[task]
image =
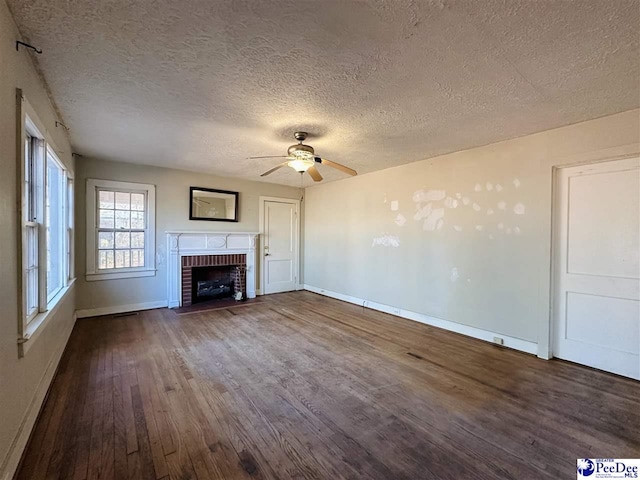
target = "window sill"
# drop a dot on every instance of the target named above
(93, 277)
(36, 326)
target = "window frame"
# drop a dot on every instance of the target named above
(32, 219)
(93, 272)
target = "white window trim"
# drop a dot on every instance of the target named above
(30, 329)
(33, 330)
(93, 273)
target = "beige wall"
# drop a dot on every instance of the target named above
(172, 213)
(465, 269)
(22, 381)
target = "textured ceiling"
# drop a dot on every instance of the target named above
(202, 84)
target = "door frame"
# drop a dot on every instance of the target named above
(555, 240)
(296, 253)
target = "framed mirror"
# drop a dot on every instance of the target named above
(212, 204)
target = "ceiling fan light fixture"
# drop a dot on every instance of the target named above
(301, 164)
(301, 159)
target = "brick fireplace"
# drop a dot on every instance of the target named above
(224, 254)
(198, 268)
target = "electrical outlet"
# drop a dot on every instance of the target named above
(498, 340)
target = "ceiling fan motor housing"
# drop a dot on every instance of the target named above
(300, 148)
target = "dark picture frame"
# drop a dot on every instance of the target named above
(213, 205)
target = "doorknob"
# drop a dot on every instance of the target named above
(267, 254)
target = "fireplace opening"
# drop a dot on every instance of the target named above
(212, 282)
(212, 277)
(213, 289)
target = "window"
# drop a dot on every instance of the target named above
(120, 229)
(46, 225)
(46, 221)
(56, 231)
(70, 242)
(31, 281)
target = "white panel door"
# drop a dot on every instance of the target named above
(280, 246)
(597, 267)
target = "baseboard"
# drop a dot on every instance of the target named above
(12, 461)
(486, 335)
(134, 307)
(298, 286)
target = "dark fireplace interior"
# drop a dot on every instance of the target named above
(213, 277)
(213, 282)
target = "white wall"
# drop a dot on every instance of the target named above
(172, 213)
(24, 381)
(467, 270)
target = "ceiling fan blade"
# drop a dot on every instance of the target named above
(342, 168)
(268, 156)
(315, 174)
(274, 169)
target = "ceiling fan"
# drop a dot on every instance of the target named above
(302, 158)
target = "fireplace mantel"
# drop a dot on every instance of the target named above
(187, 243)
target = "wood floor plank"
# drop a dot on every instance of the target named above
(119, 422)
(107, 457)
(141, 465)
(61, 464)
(302, 386)
(83, 432)
(155, 443)
(41, 457)
(166, 429)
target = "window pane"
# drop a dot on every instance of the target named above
(27, 179)
(137, 201)
(105, 259)
(123, 201)
(69, 252)
(106, 218)
(137, 220)
(32, 291)
(105, 240)
(55, 218)
(122, 240)
(123, 258)
(137, 258)
(106, 199)
(32, 271)
(137, 239)
(32, 247)
(122, 219)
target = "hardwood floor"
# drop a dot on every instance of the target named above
(302, 386)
